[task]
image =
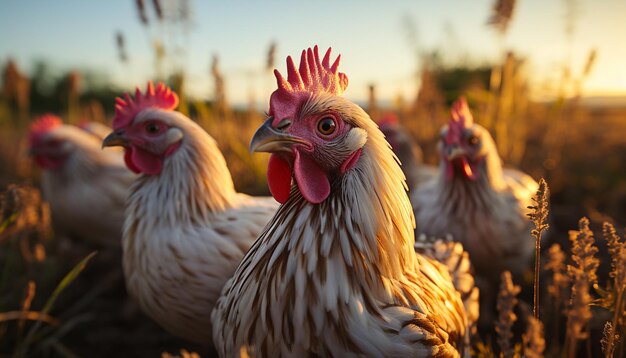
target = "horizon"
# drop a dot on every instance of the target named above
(378, 44)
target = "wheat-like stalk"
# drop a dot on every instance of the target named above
(507, 299)
(539, 215)
(534, 341)
(617, 250)
(582, 275)
(502, 15)
(559, 283)
(609, 337)
(556, 265)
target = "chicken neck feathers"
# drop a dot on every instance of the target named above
(341, 278)
(186, 230)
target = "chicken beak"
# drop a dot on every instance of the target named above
(268, 139)
(115, 139)
(455, 152)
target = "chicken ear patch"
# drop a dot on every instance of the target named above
(145, 162)
(311, 179)
(279, 178)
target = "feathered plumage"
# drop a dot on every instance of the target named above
(480, 204)
(408, 152)
(335, 272)
(85, 186)
(186, 227)
(475, 200)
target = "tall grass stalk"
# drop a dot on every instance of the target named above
(539, 215)
(582, 275)
(617, 250)
(507, 299)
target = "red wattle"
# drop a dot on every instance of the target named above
(129, 161)
(143, 161)
(311, 179)
(467, 169)
(279, 178)
(49, 163)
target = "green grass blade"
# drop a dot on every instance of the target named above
(66, 281)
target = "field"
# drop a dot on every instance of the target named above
(582, 161)
(60, 297)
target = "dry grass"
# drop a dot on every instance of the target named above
(573, 146)
(539, 216)
(507, 299)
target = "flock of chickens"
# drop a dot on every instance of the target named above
(330, 265)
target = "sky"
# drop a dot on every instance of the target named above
(372, 37)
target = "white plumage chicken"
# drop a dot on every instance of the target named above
(186, 227)
(85, 186)
(335, 272)
(475, 200)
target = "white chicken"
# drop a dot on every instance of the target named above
(480, 204)
(186, 227)
(85, 186)
(475, 200)
(335, 272)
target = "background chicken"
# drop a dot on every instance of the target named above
(85, 186)
(186, 227)
(478, 202)
(335, 272)
(408, 151)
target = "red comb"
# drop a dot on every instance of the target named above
(461, 118)
(42, 125)
(312, 76)
(126, 109)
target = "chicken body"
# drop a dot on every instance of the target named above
(335, 272)
(186, 227)
(478, 202)
(85, 186)
(409, 153)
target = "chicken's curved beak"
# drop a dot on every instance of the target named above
(455, 152)
(269, 139)
(115, 139)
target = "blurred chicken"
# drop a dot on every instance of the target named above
(475, 200)
(96, 129)
(479, 204)
(408, 151)
(85, 186)
(186, 227)
(335, 272)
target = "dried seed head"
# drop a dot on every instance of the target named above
(539, 211)
(506, 303)
(556, 264)
(534, 341)
(583, 275)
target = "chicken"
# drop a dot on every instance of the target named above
(96, 129)
(480, 204)
(85, 186)
(475, 200)
(335, 272)
(186, 227)
(408, 151)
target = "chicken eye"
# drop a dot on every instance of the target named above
(152, 128)
(326, 126)
(473, 140)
